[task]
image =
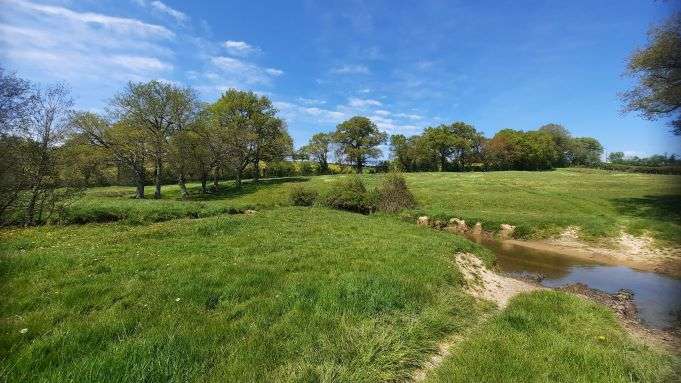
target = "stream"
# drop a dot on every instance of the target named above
(657, 296)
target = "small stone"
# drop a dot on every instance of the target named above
(477, 229)
(177, 299)
(423, 221)
(23, 330)
(249, 211)
(506, 231)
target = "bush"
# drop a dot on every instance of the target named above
(394, 195)
(302, 196)
(350, 194)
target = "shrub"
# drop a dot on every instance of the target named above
(394, 195)
(302, 196)
(350, 194)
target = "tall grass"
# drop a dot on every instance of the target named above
(554, 337)
(290, 294)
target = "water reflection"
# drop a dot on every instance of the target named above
(657, 297)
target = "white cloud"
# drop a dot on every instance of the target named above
(95, 53)
(310, 101)
(141, 63)
(117, 24)
(174, 13)
(239, 48)
(362, 103)
(296, 112)
(274, 72)
(351, 69)
(409, 116)
(382, 112)
(244, 72)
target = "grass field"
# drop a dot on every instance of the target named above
(312, 294)
(285, 295)
(536, 340)
(540, 203)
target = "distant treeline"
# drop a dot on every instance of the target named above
(159, 133)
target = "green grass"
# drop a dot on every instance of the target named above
(600, 202)
(289, 294)
(554, 337)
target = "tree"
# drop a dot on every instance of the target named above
(515, 149)
(562, 138)
(248, 130)
(586, 151)
(16, 100)
(657, 68)
(48, 120)
(357, 140)
(442, 141)
(127, 144)
(272, 139)
(161, 110)
(399, 148)
(318, 150)
(616, 157)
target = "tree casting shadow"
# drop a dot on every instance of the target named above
(247, 187)
(659, 207)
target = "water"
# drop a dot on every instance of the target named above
(657, 297)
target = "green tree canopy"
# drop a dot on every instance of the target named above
(657, 68)
(357, 140)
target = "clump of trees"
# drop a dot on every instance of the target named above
(460, 147)
(161, 124)
(33, 125)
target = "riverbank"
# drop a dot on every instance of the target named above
(637, 252)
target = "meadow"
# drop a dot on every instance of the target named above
(171, 290)
(601, 203)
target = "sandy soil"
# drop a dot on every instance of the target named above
(639, 253)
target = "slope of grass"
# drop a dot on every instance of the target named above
(289, 294)
(539, 203)
(553, 337)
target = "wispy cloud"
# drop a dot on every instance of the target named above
(180, 17)
(351, 69)
(49, 43)
(243, 71)
(117, 24)
(363, 103)
(239, 48)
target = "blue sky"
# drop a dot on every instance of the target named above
(406, 65)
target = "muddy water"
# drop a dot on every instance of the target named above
(657, 297)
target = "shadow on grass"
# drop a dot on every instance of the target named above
(659, 207)
(247, 187)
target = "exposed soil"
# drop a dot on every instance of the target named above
(639, 253)
(485, 284)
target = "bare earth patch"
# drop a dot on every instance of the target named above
(640, 253)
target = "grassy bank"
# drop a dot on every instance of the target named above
(554, 337)
(290, 294)
(600, 202)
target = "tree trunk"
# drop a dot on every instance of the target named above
(359, 166)
(157, 178)
(139, 183)
(238, 178)
(256, 174)
(443, 163)
(216, 178)
(182, 182)
(30, 209)
(204, 179)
